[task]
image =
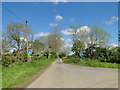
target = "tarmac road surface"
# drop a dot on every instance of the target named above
(61, 75)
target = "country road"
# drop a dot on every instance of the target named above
(60, 75)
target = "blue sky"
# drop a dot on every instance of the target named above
(42, 16)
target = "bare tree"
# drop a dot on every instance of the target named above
(5, 44)
(99, 35)
(54, 41)
(38, 46)
(89, 35)
(66, 50)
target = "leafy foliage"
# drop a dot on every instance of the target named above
(8, 60)
(77, 47)
(62, 54)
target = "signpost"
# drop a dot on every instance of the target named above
(29, 57)
(81, 53)
(29, 51)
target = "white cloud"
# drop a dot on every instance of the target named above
(12, 50)
(113, 45)
(68, 45)
(23, 39)
(112, 20)
(67, 32)
(62, 39)
(58, 17)
(52, 24)
(71, 53)
(82, 29)
(42, 34)
(69, 40)
(57, 1)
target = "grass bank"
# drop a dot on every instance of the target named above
(17, 74)
(91, 63)
(0, 77)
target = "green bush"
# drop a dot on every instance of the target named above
(8, 60)
(62, 54)
(115, 58)
(23, 57)
(38, 58)
(66, 60)
(86, 59)
(5, 61)
(71, 59)
(101, 59)
(53, 56)
(34, 58)
(72, 56)
(42, 57)
(90, 62)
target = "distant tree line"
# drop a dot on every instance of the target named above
(93, 42)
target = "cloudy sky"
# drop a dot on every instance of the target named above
(43, 16)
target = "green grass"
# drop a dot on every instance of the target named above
(17, 74)
(0, 77)
(93, 63)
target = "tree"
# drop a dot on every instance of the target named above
(62, 54)
(16, 35)
(38, 46)
(88, 38)
(54, 41)
(66, 49)
(80, 32)
(98, 35)
(79, 37)
(78, 47)
(5, 44)
(115, 55)
(89, 51)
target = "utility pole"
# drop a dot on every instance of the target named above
(49, 52)
(28, 55)
(26, 38)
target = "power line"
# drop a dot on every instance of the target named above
(13, 13)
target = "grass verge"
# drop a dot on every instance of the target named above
(91, 63)
(17, 74)
(0, 77)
